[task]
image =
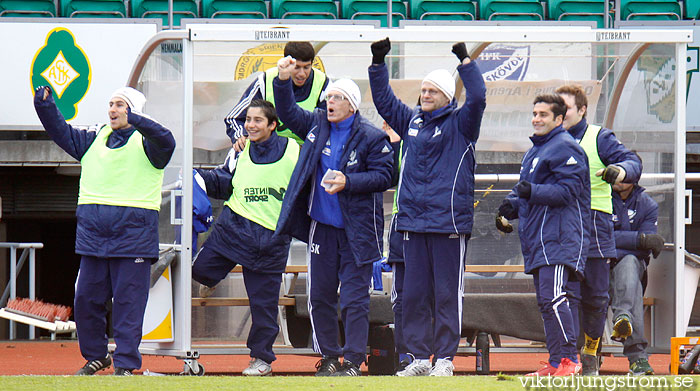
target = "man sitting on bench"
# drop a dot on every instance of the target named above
(634, 216)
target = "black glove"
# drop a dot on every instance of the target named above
(612, 174)
(460, 50)
(506, 209)
(653, 242)
(524, 189)
(39, 94)
(130, 117)
(503, 225)
(380, 50)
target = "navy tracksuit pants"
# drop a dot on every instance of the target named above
(551, 284)
(126, 282)
(263, 289)
(331, 263)
(435, 275)
(594, 296)
(398, 271)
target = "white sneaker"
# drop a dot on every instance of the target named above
(257, 367)
(443, 367)
(205, 291)
(416, 368)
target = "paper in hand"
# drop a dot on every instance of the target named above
(329, 175)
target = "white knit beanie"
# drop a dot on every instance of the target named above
(349, 89)
(443, 80)
(135, 99)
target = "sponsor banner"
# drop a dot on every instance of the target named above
(506, 124)
(265, 56)
(222, 79)
(158, 318)
(507, 121)
(82, 62)
(653, 96)
(504, 62)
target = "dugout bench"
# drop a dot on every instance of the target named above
(484, 314)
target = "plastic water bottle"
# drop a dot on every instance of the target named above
(688, 363)
(482, 353)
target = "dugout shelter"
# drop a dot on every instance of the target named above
(634, 80)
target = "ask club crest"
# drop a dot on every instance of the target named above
(63, 65)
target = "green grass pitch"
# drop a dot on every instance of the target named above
(304, 383)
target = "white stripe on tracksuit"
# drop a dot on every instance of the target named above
(544, 252)
(230, 119)
(394, 295)
(317, 347)
(559, 297)
(595, 228)
(462, 259)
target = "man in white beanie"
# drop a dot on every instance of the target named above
(435, 201)
(117, 232)
(334, 203)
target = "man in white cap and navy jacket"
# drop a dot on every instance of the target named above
(334, 203)
(435, 201)
(117, 232)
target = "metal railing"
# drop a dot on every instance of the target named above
(28, 251)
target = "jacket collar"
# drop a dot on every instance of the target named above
(272, 144)
(439, 113)
(636, 191)
(578, 130)
(345, 124)
(539, 140)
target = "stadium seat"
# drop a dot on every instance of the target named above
(159, 9)
(511, 10)
(304, 9)
(692, 8)
(650, 10)
(443, 9)
(93, 9)
(578, 10)
(28, 8)
(373, 10)
(234, 9)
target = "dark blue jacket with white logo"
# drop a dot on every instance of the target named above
(241, 240)
(367, 163)
(107, 230)
(637, 214)
(436, 185)
(553, 225)
(611, 151)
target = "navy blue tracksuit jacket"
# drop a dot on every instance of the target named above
(553, 222)
(248, 243)
(439, 146)
(235, 119)
(105, 230)
(611, 151)
(638, 213)
(367, 176)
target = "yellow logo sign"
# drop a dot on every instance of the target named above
(60, 74)
(62, 64)
(263, 57)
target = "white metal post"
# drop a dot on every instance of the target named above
(13, 284)
(183, 314)
(679, 191)
(388, 13)
(32, 281)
